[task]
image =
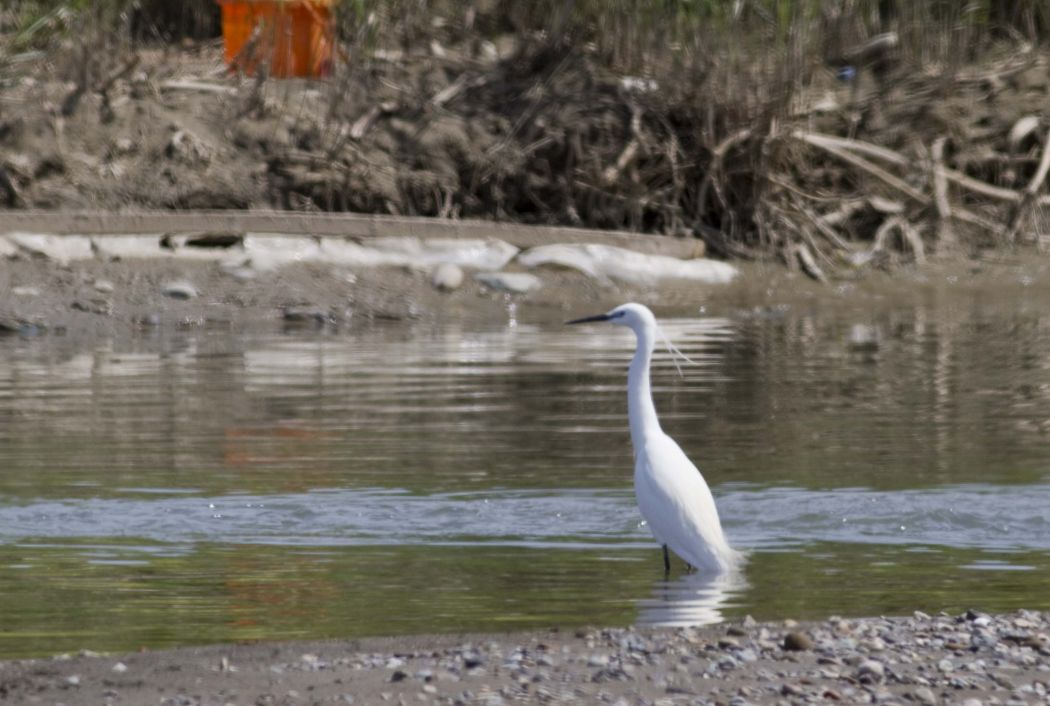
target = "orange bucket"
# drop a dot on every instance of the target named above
(294, 36)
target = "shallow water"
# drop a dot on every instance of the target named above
(872, 458)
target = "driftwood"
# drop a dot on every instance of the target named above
(195, 86)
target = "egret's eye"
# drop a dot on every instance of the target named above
(617, 315)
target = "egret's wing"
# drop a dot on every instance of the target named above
(676, 502)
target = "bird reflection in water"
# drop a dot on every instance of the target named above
(692, 599)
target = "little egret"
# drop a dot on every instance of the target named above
(672, 495)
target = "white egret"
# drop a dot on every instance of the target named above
(672, 495)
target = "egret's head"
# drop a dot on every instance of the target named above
(633, 316)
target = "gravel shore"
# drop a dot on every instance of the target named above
(966, 659)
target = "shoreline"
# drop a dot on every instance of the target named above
(61, 292)
(355, 226)
(969, 659)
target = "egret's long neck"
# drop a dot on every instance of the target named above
(640, 409)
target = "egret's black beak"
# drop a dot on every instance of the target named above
(588, 319)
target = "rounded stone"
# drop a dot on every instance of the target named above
(180, 289)
(797, 642)
(447, 277)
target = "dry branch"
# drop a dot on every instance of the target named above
(843, 213)
(830, 142)
(714, 167)
(1028, 197)
(854, 145)
(945, 235)
(808, 263)
(864, 165)
(612, 174)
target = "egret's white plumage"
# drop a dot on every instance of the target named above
(672, 495)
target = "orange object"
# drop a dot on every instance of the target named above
(294, 36)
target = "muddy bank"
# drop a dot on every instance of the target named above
(91, 273)
(101, 297)
(94, 299)
(966, 659)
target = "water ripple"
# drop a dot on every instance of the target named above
(975, 516)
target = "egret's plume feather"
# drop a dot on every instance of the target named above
(675, 353)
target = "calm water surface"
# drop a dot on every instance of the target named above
(193, 487)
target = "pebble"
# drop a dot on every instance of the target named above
(871, 669)
(797, 642)
(25, 291)
(179, 289)
(692, 665)
(924, 695)
(597, 661)
(18, 325)
(875, 644)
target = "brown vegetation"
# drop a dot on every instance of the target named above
(830, 134)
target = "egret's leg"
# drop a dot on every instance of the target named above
(667, 562)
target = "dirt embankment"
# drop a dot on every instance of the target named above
(884, 160)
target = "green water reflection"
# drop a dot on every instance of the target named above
(113, 598)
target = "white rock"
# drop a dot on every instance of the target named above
(124, 247)
(7, 248)
(59, 248)
(25, 291)
(513, 282)
(608, 262)
(447, 276)
(120, 667)
(180, 289)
